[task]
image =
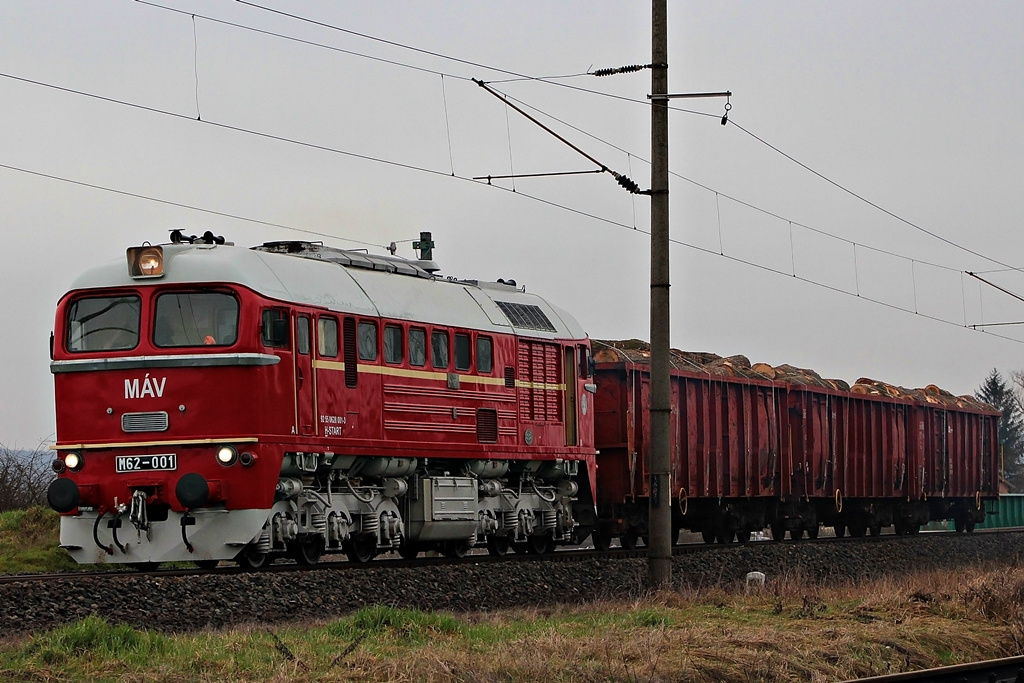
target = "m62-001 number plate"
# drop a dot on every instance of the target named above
(146, 463)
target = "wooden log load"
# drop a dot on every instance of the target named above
(639, 351)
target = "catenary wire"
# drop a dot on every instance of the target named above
(302, 41)
(872, 204)
(182, 205)
(731, 198)
(519, 76)
(447, 175)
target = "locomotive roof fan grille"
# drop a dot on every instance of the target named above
(526, 316)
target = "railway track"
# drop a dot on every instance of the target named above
(188, 599)
(1008, 670)
(476, 557)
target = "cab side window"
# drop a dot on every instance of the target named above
(367, 341)
(484, 355)
(463, 359)
(393, 344)
(439, 349)
(302, 334)
(417, 346)
(327, 336)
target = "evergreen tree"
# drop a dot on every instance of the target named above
(998, 393)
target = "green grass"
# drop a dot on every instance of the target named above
(29, 542)
(792, 630)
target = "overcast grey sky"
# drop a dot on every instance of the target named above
(915, 106)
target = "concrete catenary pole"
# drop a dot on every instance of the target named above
(659, 555)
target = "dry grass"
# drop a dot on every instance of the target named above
(791, 630)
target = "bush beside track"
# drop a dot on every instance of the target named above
(28, 542)
(223, 599)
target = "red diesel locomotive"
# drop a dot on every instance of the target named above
(221, 403)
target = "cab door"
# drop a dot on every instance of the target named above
(571, 389)
(305, 381)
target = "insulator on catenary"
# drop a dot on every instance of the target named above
(621, 70)
(628, 184)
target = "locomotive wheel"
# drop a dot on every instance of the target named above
(812, 533)
(408, 550)
(796, 533)
(540, 545)
(857, 530)
(251, 557)
(629, 539)
(454, 549)
(308, 552)
(498, 546)
(708, 536)
(726, 537)
(778, 532)
(840, 530)
(144, 566)
(361, 549)
(875, 530)
(602, 539)
(743, 536)
(206, 564)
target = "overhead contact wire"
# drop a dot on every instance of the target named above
(433, 172)
(182, 205)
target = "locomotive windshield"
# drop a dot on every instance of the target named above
(104, 323)
(195, 319)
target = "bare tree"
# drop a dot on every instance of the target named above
(24, 477)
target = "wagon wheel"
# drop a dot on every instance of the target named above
(796, 533)
(308, 551)
(812, 533)
(361, 548)
(602, 538)
(726, 536)
(969, 526)
(409, 549)
(629, 539)
(251, 557)
(206, 564)
(708, 536)
(840, 530)
(857, 530)
(958, 524)
(498, 546)
(540, 545)
(455, 549)
(778, 531)
(144, 566)
(743, 536)
(875, 529)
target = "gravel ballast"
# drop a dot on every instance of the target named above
(179, 604)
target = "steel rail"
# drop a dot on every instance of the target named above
(479, 557)
(1008, 670)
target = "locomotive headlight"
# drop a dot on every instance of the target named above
(73, 461)
(146, 261)
(227, 455)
